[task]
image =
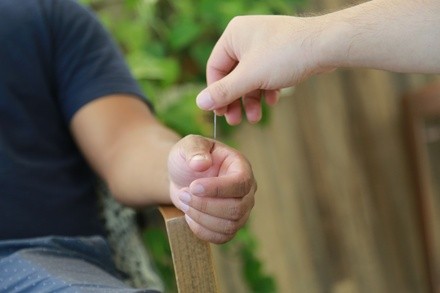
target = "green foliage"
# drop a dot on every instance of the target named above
(166, 44)
(252, 268)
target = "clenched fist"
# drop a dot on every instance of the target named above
(213, 185)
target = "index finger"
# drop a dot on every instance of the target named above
(220, 63)
(231, 185)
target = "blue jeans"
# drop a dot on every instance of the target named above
(59, 264)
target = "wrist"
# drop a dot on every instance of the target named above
(332, 48)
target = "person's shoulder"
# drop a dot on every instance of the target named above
(65, 4)
(64, 18)
(62, 8)
(25, 11)
(45, 5)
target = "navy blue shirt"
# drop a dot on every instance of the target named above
(54, 58)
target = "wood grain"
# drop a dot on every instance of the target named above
(192, 257)
(423, 114)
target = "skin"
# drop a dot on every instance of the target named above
(145, 163)
(257, 56)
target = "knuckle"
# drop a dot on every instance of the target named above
(190, 136)
(237, 212)
(248, 181)
(217, 192)
(220, 91)
(254, 96)
(236, 20)
(246, 184)
(233, 22)
(200, 204)
(203, 205)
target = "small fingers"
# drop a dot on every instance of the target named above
(231, 185)
(252, 106)
(206, 234)
(218, 225)
(216, 220)
(214, 230)
(272, 97)
(221, 111)
(226, 208)
(226, 90)
(233, 113)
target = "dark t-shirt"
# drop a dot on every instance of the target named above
(54, 58)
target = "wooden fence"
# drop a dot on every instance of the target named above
(335, 207)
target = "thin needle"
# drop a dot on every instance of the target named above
(215, 126)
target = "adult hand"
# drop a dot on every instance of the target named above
(257, 56)
(213, 185)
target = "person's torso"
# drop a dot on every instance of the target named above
(46, 187)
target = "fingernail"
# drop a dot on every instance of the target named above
(254, 115)
(205, 101)
(198, 158)
(185, 197)
(197, 189)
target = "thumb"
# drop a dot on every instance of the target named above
(226, 90)
(197, 151)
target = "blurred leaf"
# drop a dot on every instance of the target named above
(178, 110)
(183, 34)
(86, 2)
(245, 245)
(145, 66)
(131, 35)
(186, 118)
(131, 4)
(200, 53)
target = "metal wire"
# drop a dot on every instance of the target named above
(215, 127)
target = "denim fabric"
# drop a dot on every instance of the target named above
(59, 264)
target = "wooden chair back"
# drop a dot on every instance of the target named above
(192, 258)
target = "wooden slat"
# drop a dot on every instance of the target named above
(334, 209)
(420, 107)
(192, 259)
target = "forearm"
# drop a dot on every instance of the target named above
(394, 35)
(127, 147)
(137, 173)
